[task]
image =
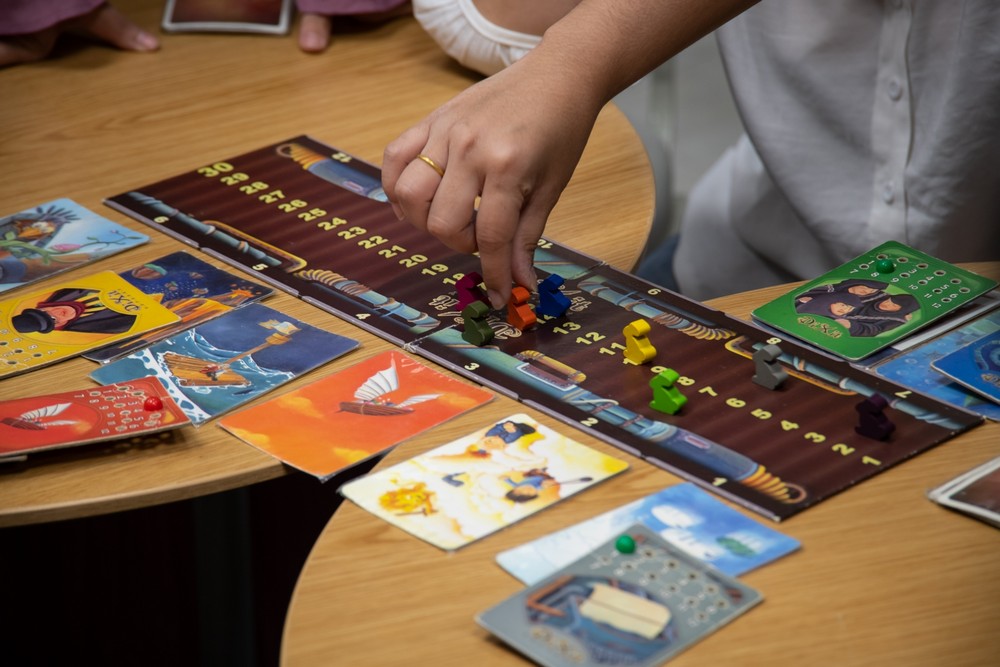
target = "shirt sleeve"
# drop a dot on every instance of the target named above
(23, 17)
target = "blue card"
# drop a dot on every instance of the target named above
(230, 360)
(55, 237)
(976, 366)
(684, 515)
(914, 368)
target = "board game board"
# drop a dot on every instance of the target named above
(313, 221)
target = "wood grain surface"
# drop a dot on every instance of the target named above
(94, 122)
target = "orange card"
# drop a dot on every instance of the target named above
(347, 417)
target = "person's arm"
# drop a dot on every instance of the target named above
(515, 138)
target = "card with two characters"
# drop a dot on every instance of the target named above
(475, 485)
(873, 300)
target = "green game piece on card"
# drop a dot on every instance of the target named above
(625, 544)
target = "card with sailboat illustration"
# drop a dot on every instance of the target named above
(230, 360)
(350, 416)
(66, 419)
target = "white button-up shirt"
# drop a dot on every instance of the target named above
(866, 121)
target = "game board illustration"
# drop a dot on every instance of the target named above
(193, 289)
(350, 416)
(55, 237)
(478, 484)
(67, 419)
(634, 600)
(230, 360)
(278, 212)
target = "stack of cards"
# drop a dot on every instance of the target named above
(874, 300)
(976, 493)
(195, 290)
(976, 366)
(74, 317)
(230, 360)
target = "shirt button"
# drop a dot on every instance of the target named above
(895, 89)
(888, 193)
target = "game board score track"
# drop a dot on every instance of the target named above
(312, 220)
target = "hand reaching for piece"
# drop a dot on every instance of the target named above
(512, 141)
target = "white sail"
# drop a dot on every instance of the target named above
(47, 411)
(379, 384)
(419, 398)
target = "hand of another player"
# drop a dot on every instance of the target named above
(104, 24)
(315, 28)
(513, 140)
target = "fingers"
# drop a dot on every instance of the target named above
(314, 32)
(19, 49)
(107, 24)
(496, 230)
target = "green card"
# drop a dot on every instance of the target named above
(873, 300)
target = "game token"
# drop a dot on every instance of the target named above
(885, 266)
(475, 328)
(551, 301)
(873, 422)
(769, 372)
(468, 290)
(666, 397)
(638, 349)
(519, 313)
(152, 404)
(625, 544)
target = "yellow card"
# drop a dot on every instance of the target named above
(46, 326)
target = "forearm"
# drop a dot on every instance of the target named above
(603, 46)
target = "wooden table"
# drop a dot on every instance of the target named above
(94, 122)
(884, 576)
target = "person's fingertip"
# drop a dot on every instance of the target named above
(312, 42)
(144, 41)
(496, 300)
(398, 211)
